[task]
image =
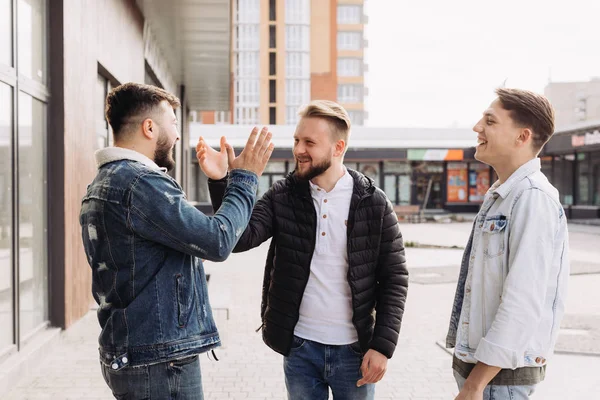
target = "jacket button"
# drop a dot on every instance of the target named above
(323, 234)
(324, 215)
(115, 366)
(492, 227)
(325, 201)
(538, 360)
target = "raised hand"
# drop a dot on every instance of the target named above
(256, 154)
(213, 163)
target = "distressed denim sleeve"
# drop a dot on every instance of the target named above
(159, 211)
(533, 225)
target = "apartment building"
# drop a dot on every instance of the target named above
(286, 53)
(574, 102)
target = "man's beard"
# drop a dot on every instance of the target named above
(163, 155)
(312, 171)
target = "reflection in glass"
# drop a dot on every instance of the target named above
(32, 39)
(6, 286)
(33, 285)
(5, 33)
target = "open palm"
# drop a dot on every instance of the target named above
(213, 163)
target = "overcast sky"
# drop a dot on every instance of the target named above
(436, 63)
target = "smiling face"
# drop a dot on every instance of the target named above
(314, 147)
(497, 135)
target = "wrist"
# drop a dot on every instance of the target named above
(473, 387)
(224, 178)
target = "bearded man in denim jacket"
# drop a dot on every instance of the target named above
(145, 244)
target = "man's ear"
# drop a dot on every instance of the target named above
(525, 136)
(340, 147)
(148, 128)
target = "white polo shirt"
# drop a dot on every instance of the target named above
(326, 308)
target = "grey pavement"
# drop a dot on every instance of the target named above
(420, 369)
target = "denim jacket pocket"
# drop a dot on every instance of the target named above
(493, 236)
(182, 303)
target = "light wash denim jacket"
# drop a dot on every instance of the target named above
(513, 276)
(144, 243)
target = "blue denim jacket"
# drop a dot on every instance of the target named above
(144, 243)
(512, 286)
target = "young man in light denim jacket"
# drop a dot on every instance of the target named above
(511, 291)
(145, 242)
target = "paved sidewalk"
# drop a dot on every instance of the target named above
(247, 369)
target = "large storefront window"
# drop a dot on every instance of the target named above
(5, 32)
(274, 171)
(33, 276)
(596, 178)
(583, 178)
(563, 178)
(457, 185)
(32, 39)
(397, 181)
(6, 274)
(23, 187)
(428, 181)
(479, 182)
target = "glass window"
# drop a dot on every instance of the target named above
(357, 117)
(350, 67)
(275, 166)
(350, 93)
(563, 177)
(247, 11)
(479, 181)
(297, 12)
(371, 170)
(5, 32)
(350, 40)
(297, 37)
(390, 188)
(222, 117)
(6, 277)
(349, 14)
(402, 167)
(101, 122)
(31, 37)
(33, 285)
(583, 178)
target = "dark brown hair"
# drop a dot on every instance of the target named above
(529, 110)
(125, 104)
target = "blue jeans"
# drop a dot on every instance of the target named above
(312, 368)
(500, 392)
(177, 379)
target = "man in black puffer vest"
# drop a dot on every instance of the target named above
(335, 280)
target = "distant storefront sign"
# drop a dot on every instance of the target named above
(435, 155)
(587, 139)
(457, 186)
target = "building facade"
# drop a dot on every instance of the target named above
(432, 168)
(288, 52)
(58, 60)
(571, 160)
(574, 102)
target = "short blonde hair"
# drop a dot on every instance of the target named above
(332, 112)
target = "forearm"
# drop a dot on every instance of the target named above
(480, 377)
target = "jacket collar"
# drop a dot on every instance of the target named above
(363, 185)
(521, 173)
(112, 154)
